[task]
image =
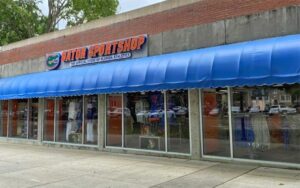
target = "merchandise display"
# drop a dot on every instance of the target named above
(267, 125)
(91, 118)
(145, 126)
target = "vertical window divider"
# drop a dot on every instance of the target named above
(83, 120)
(1, 103)
(55, 119)
(123, 137)
(8, 117)
(201, 123)
(166, 121)
(43, 119)
(105, 120)
(229, 93)
(2, 116)
(27, 116)
(190, 127)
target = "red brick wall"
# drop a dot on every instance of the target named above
(186, 16)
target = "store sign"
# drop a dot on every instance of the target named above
(53, 61)
(102, 52)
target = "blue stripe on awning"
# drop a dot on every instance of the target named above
(262, 62)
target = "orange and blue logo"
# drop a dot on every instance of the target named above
(53, 61)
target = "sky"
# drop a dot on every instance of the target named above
(124, 6)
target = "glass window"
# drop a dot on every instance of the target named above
(267, 128)
(69, 124)
(144, 120)
(216, 122)
(19, 117)
(3, 118)
(48, 130)
(33, 118)
(114, 120)
(178, 121)
(91, 119)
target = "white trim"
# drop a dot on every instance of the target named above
(70, 144)
(216, 157)
(27, 119)
(229, 94)
(123, 132)
(149, 151)
(99, 117)
(55, 119)
(252, 161)
(19, 138)
(271, 163)
(166, 120)
(9, 109)
(201, 124)
(83, 120)
(190, 125)
(42, 121)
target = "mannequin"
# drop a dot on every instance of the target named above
(90, 122)
(71, 123)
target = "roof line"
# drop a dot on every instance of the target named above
(152, 9)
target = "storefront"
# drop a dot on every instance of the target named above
(232, 102)
(248, 101)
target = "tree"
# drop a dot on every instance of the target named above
(22, 19)
(78, 11)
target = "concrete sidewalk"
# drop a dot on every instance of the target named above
(38, 166)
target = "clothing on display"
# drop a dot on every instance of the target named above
(91, 111)
(243, 131)
(90, 131)
(72, 111)
(291, 131)
(261, 131)
(71, 128)
(74, 122)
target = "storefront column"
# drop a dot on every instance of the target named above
(194, 123)
(40, 119)
(101, 121)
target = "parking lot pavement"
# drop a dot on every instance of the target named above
(40, 166)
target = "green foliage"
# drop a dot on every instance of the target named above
(22, 19)
(87, 10)
(19, 20)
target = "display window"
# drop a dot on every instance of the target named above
(69, 119)
(266, 126)
(144, 120)
(33, 105)
(3, 118)
(18, 118)
(178, 121)
(215, 122)
(91, 119)
(49, 110)
(114, 120)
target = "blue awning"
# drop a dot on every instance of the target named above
(262, 62)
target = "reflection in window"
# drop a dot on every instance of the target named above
(3, 118)
(69, 125)
(178, 121)
(18, 117)
(48, 130)
(33, 118)
(114, 120)
(216, 122)
(144, 120)
(91, 119)
(267, 127)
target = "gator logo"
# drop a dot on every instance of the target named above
(53, 61)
